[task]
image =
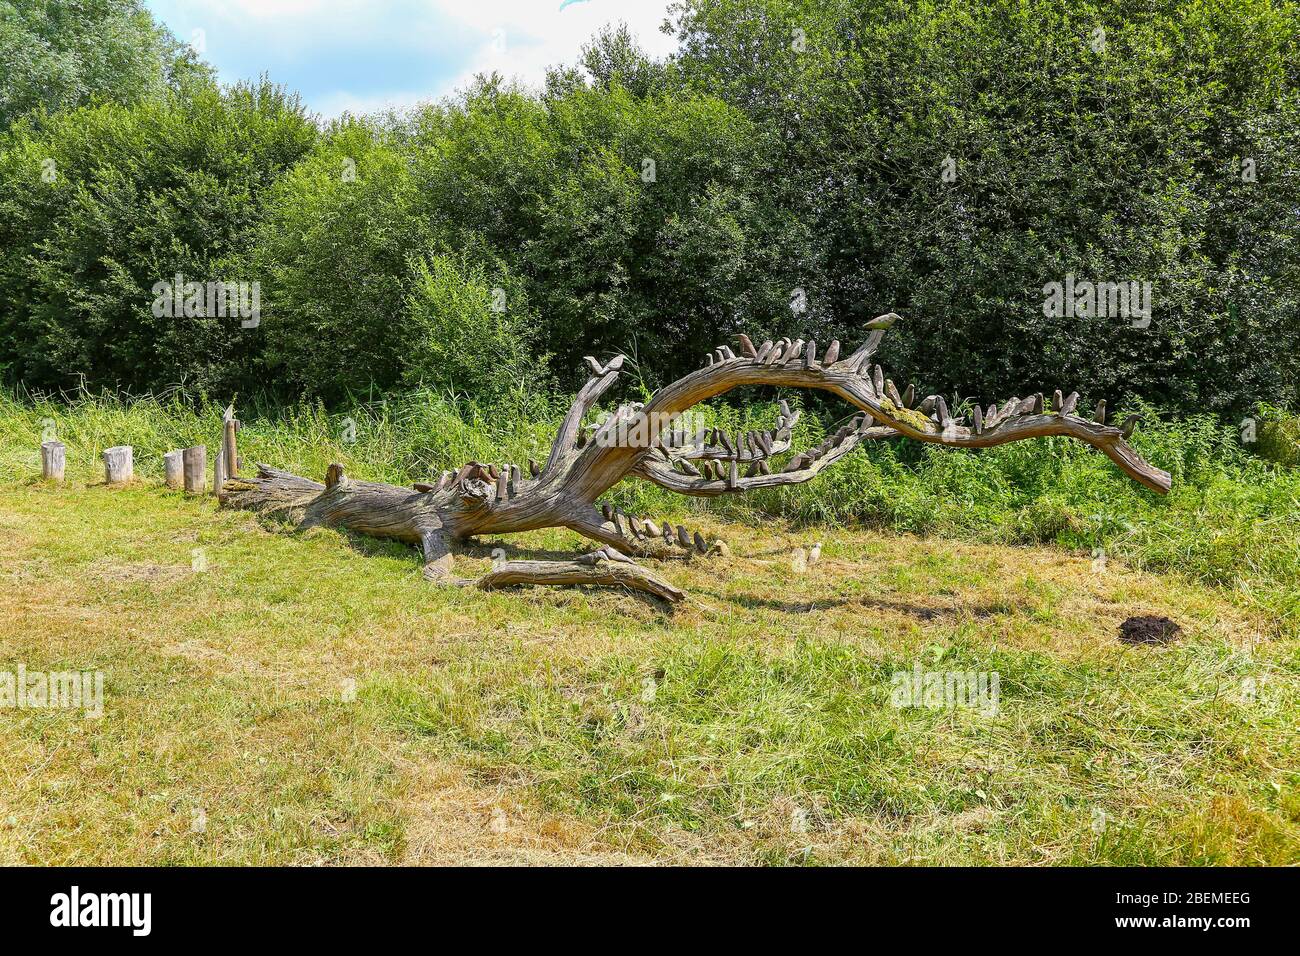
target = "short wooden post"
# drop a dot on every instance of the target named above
(195, 463)
(118, 464)
(219, 472)
(173, 463)
(53, 458)
(231, 448)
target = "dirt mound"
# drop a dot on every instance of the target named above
(1148, 629)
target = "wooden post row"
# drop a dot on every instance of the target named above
(184, 468)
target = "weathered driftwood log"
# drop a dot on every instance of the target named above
(649, 442)
(603, 567)
(53, 460)
(119, 464)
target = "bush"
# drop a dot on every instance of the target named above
(1128, 140)
(614, 222)
(634, 224)
(465, 335)
(1278, 435)
(333, 248)
(139, 194)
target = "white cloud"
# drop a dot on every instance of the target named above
(535, 34)
(402, 51)
(334, 105)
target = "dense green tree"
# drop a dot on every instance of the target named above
(366, 290)
(334, 250)
(613, 57)
(102, 203)
(60, 54)
(614, 222)
(1105, 141)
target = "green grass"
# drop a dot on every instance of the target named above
(752, 724)
(1230, 521)
(1277, 434)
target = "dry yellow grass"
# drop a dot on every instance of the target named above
(311, 699)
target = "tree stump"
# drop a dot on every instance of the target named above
(219, 472)
(195, 463)
(174, 466)
(53, 459)
(230, 447)
(118, 464)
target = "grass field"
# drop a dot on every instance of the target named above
(282, 699)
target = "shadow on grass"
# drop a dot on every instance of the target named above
(922, 612)
(474, 548)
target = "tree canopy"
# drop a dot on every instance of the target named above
(794, 168)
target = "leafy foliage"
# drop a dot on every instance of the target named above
(333, 247)
(795, 168)
(59, 54)
(138, 195)
(464, 337)
(1120, 141)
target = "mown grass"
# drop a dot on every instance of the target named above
(319, 702)
(312, 699)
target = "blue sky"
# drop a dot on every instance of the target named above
(361, 56)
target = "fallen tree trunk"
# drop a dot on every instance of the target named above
(650, 442)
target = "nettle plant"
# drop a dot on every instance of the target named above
(649, 442)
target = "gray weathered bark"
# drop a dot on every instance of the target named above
(119, 464)
(173, 468)
(54, 460)
(194, 462)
